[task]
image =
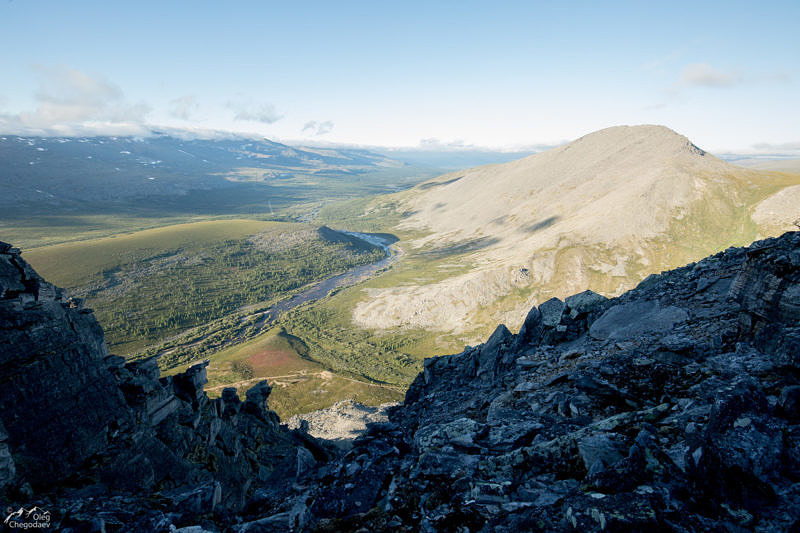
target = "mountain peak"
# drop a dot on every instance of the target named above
(650, 169)
(647, 140)
(601, 212)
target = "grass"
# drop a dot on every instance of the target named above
(300, 385)
(150, 285)
(368, 214)
(178, 274)
(392, 357)
(44, 230)
(333, 359)
(71, 264)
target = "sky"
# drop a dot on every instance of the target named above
(438, 75)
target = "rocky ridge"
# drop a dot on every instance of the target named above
(673, 407)
(109, 445)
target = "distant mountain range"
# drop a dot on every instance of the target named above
(601, 212)
(447, 159)
(55, 172)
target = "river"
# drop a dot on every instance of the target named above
(311, 293)
(346, 279)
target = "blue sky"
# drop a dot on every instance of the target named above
(499, 74)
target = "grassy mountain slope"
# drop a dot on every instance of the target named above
(300, 384)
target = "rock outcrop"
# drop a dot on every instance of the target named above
(89, 437)
(340, 423)
(670, 408)
(673, 407)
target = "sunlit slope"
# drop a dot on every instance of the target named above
(601, 212)
(74, 263)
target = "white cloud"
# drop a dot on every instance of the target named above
(70, 100)
(789, 148)
(432, 143)
(318, 128)
(183, 107)
(704, 75)
(695, 75)
(265, 113)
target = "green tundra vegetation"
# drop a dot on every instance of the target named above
(299, 384)
(153, 284)
(385, 356)
(193, 276)
(200, 290)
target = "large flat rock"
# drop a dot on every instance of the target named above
(631, 320)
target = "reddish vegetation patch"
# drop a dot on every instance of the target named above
(271, 360)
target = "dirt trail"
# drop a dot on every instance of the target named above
(322, 374)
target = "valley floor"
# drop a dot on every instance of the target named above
(147, 286)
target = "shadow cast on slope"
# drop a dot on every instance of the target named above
(471, 245)
(426, 186)
(539, 226)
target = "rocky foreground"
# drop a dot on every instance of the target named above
(675, 407)
(105, 445)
